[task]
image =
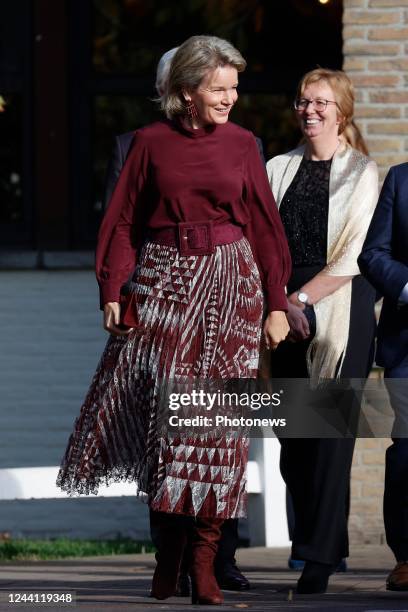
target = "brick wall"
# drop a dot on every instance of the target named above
(375, 34)
(366, 524)
(375, 44)
(367, 488)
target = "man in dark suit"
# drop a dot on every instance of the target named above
(228, 575)
(384, 262)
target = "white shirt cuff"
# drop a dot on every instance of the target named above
(403, 298)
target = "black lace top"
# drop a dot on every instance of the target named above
(304, 212)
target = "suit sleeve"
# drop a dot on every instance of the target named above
(260, 149)
(265, 232)
(121, 225)
(112, 172)
(376, 262)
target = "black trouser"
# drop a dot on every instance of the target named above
(317, 474)
(317, 470)
(290, 512)
(227, 546)
(396, 464)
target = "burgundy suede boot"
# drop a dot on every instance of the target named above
(206, 535)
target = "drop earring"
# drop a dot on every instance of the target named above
(191, 109)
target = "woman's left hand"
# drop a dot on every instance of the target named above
(276, 328)
(299, 325)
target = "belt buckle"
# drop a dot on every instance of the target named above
(196, 238)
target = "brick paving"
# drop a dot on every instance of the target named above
(122, 583)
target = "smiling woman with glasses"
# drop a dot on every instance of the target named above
(326, 191)
(319, 104)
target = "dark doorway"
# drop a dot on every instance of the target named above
(118, 45)
(16, 127)
(100, 57)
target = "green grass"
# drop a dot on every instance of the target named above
(36, 550)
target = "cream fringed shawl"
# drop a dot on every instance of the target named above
(353, 194)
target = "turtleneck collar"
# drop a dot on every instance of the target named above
(194, 132)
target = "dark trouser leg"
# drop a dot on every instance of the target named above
(396, 498)
(228, 544)
(228, 574)
(317, 473)
(291, 513)
(396, 464)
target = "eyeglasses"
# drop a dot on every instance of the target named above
(319, 104)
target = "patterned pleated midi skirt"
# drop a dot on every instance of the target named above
(199, 318)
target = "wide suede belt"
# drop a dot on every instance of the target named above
(199, 238)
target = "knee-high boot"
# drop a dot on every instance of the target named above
(206, 535)
(171, 541)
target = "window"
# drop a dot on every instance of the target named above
(15, 125)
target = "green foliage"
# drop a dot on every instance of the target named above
(36, 550)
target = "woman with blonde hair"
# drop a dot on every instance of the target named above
(326, 191)
(193, 211)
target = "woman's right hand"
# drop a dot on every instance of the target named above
(299, 326)
(111, 320)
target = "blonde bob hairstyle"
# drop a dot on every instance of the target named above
(342, 88)
(193, 60)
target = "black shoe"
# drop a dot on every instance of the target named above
(231, 579)
(314, 578)
(183, 585)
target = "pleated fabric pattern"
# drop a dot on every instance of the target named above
(199, 318)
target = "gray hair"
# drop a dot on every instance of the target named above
(196, 57)
(162, 72)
